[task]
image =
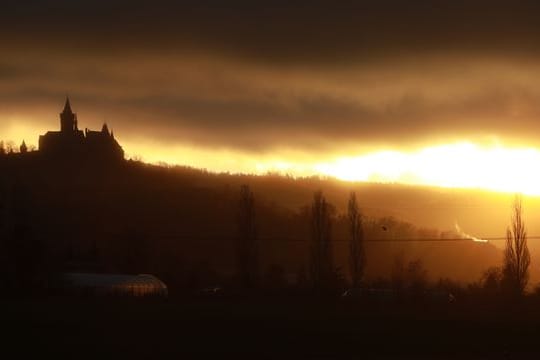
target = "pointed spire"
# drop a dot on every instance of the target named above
(67, 106)
(105, 129)
(23, 148)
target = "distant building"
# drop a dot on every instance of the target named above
(143, 285)
(23, 148)
(70, 142)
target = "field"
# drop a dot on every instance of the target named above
(267, 328)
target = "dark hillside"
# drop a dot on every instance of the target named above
(180, 222)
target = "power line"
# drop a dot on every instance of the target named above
(385, 240)
(222, 239)
(380, 240)
(478, 239)
(432, 240)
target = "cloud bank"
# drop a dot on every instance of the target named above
(255, 77)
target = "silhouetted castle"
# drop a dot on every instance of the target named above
(70, 142)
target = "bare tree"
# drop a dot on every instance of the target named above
(10, 147)
(357, 256)
(516, 255)
(416, 277)
(247, 255)
(399, 272)
(321, 252)
(491, 281)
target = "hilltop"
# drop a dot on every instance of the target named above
(176, 221)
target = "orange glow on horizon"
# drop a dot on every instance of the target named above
(459, 165)
(456, 165)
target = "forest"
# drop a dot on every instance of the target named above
(195, 230)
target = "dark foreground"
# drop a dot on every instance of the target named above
(270, 328)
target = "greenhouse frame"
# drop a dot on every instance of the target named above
(142, 285)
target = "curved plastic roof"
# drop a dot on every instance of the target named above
(112, 280)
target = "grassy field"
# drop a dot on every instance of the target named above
(269, 328)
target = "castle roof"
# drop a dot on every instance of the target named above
(70, 141)
(67, 106)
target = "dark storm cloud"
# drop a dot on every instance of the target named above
(257, 75)
(277, 30)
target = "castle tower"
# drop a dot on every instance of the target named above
(105, 129)
(68, 120)
(73, 144)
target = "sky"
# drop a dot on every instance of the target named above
(423, 92)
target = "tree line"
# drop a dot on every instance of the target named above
(9, 147)
(28, 253)
(511, 278)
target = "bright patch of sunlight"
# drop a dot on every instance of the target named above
(461, 165)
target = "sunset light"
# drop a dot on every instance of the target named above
(270, 179)
(458, 165)
(493, 167)
(462, 165)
